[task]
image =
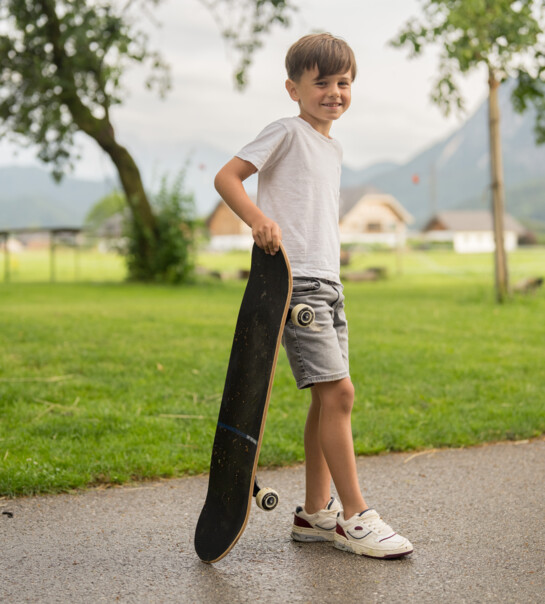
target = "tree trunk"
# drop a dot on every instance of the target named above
(129, 175)
(497, 187)
(102, 132)
(131, 181)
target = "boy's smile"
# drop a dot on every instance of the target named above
(321, 99)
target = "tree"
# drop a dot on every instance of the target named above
(61, 69)
(504, 36)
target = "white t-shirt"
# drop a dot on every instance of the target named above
(298, 187)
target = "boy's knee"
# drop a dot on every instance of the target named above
(346, 396)
(338, 396)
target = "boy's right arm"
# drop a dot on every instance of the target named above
(228, 183)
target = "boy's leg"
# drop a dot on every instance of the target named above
(318, 476)
(333, 433)
(323, 354)
(358, 529)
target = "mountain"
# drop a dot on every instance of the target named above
(30, 197)
(455, 172)
(353, 178)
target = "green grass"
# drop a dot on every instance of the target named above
(69, 265)
(106, 383)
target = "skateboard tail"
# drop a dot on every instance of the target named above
(244, 406)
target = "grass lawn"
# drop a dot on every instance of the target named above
(68, 265)
(108, 382)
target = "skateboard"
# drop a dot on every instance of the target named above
(232, 481)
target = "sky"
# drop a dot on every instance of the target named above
(391, 117)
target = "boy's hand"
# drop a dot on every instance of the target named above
(228, 182)
(267, 235)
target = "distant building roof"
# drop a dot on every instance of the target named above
(351, 195)
(355, 199)
(470, 220)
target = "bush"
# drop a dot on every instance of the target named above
(172, 259)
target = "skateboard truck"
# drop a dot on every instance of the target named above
(265, 498)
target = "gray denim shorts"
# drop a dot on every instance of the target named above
(319, 355)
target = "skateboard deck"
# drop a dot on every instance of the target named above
(244, 405)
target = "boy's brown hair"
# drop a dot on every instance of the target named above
(329, 54)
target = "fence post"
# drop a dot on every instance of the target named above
(6, 257)
(52, 256)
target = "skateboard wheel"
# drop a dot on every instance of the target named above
(267, 499)
(303, 315)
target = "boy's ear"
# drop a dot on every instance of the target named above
(291, 87)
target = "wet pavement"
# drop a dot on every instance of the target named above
(476, 518)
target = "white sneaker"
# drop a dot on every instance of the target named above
(367, 534)
(316, 527)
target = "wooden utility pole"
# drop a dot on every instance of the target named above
(497, 189)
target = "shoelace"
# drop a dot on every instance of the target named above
(376, 524)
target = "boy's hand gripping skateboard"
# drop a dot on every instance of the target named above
(243, 411)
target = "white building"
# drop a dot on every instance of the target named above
(371, 217)
(471, 231)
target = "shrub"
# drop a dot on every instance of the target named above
(172, 259)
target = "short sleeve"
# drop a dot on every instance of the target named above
(266, 149)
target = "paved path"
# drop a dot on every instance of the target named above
(475, 516)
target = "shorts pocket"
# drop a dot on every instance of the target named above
(302, 286)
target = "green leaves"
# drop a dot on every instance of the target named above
(172, 260)
(62, 63)
(61, 67)
(530, 90)
(505, 36)
(243, 23)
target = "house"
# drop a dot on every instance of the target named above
(227, 231)
(367, 216)
(471, 231)
(370, 216)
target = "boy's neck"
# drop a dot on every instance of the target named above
(323, 127)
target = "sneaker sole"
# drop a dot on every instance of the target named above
(361, 550)
(307, 535)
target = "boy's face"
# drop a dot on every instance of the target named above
(321, 99)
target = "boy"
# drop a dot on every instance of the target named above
(299, 167)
